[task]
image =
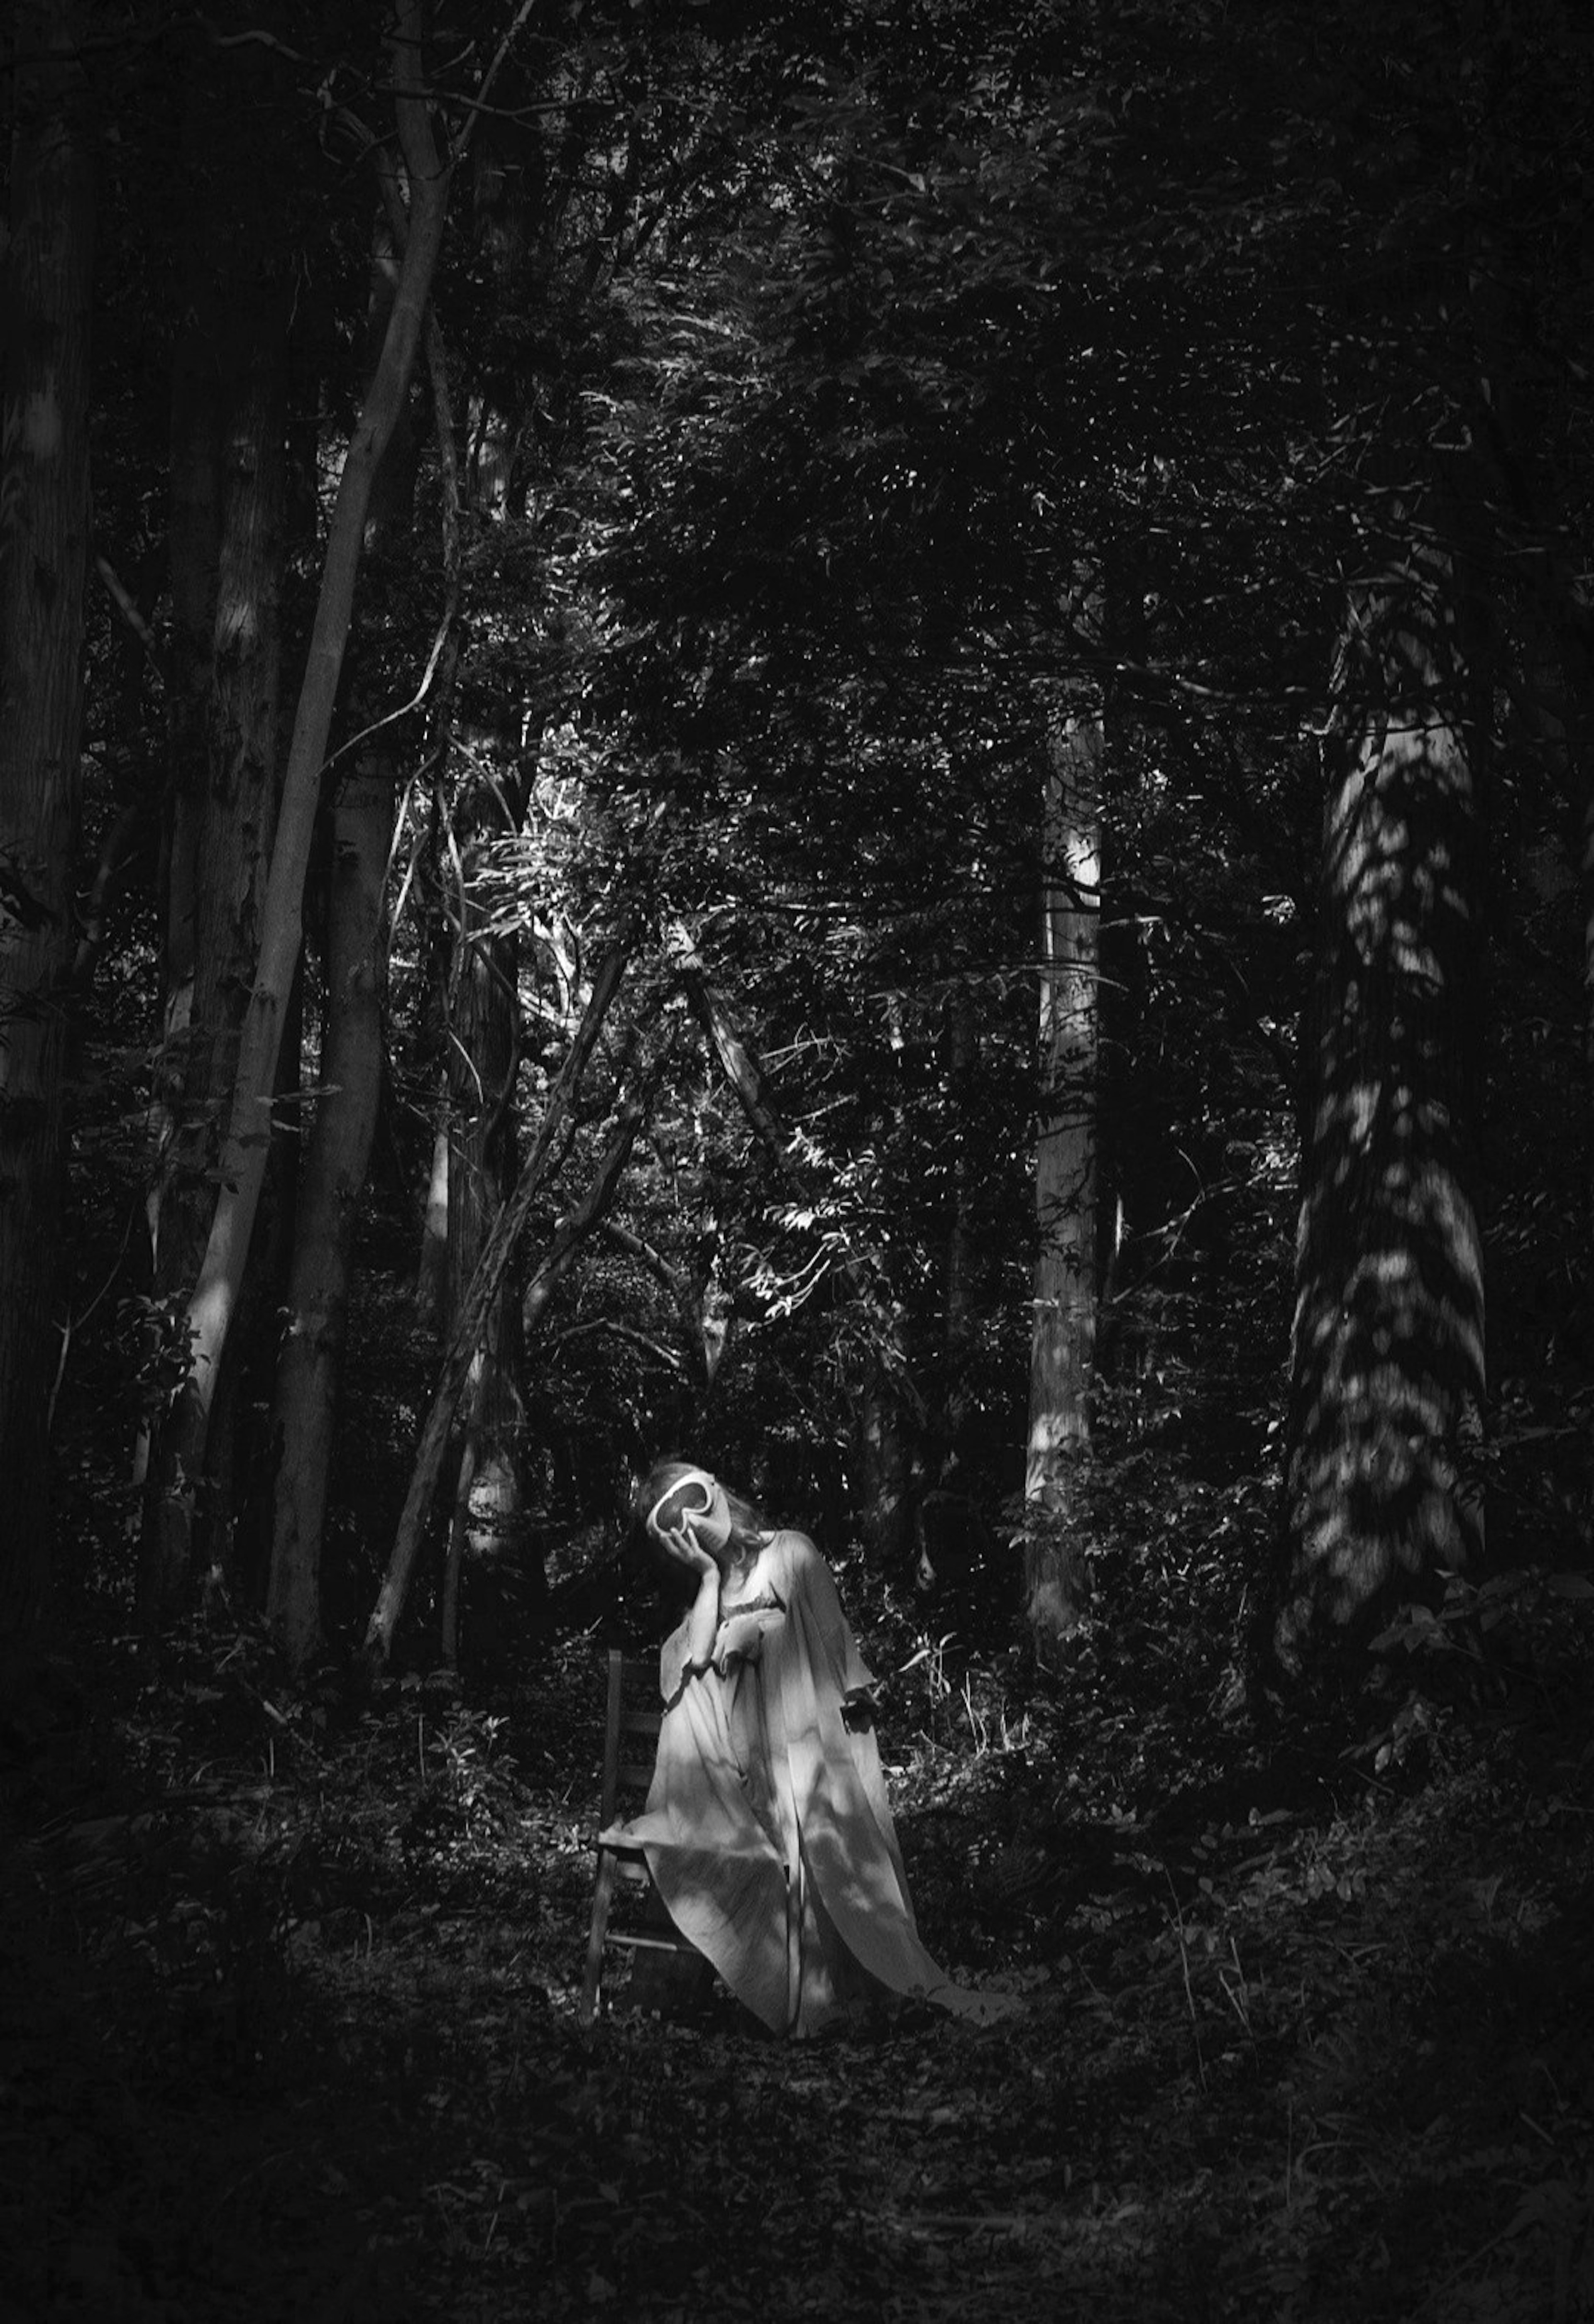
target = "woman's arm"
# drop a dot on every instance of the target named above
(812, 1581)
(703, 1621)
(702, 1624)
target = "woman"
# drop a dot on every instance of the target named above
(767, 1828)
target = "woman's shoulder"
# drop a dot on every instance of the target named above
(791, 1553)
(785, 1541)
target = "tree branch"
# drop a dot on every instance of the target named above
(121, 597)
(477, 1304)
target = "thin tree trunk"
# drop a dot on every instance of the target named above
(338, 1152)
(213, 1304)
(245, 666)
(432, 1280)
(884, 1449)
(881, 1450)
(737, 1062)
(540, 1165)
(334, 1175)
(1063, 1336)
(46, 285)
(1388, 1344)
(957, 1319)
(485, 1060)
(221, 838)
(564, 1248)
(1564, 694)
(578, 1224)
(193, 533)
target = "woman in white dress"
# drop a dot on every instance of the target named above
(767, 1827)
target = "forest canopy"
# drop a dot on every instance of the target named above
(852, 739)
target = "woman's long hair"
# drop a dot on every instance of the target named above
(750, 1528)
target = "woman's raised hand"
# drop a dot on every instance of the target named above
(681, 1541)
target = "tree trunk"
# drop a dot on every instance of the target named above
(334, 1175)
(483, 1064)
(480, 1019)
(477, 1505)
(43, 565)
(223, 814)
(1389, 1344)
(1063, 1335)
(213, 1304)
(958, 1310)
(344, 1124)
(193, 534)
(432, 1275)
(883, 1450)
(484, 1289)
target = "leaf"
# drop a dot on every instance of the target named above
(1570, 1585)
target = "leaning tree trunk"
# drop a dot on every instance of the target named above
(554, 1263)
(1389, 1344)
(213, 1304)
(43, 560)
(548, 1149)
(1063, 1330)
(344, 1123)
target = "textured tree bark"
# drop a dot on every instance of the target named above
(1064, 1333)
(44, 516)
(1388, 1369)
(213, 1306)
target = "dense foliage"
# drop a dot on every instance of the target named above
(818, 416)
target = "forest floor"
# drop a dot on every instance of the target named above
(288, 1991)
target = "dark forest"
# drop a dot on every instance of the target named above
(856, 742)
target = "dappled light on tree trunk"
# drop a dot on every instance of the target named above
(1389, 1320)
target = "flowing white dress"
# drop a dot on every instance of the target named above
(767, 1827)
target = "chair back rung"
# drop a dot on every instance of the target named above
(632, 1723)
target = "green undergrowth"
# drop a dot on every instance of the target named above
(289, 2010)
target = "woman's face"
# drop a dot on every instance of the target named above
(696, 1502)
(712, 1524)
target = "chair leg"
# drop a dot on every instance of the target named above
(602, 1898)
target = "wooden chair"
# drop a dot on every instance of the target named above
(630, 1746)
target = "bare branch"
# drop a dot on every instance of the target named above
(121, 597)
(615, 1330)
